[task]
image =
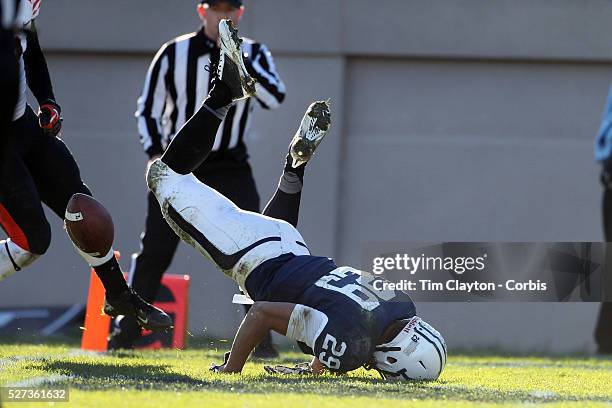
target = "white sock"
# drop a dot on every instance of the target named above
(94, 261)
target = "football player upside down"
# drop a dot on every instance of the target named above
(332, 312)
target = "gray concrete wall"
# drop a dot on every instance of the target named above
(453, 120)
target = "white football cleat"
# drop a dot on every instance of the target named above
(231, 70)
(13, 258)
(315, 124)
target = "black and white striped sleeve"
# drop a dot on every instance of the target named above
(270, 87)
(152, 101)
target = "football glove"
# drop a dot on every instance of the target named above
(49, 118)
(216, 368)
(298, 369)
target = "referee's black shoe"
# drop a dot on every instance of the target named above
(129, 304)
(231, 70)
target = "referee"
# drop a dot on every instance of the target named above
(177, 83)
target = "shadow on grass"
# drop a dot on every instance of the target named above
(100, 376)
(33, 339)
(542, 353)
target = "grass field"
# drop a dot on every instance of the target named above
(181, 378)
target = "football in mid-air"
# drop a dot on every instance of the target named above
(89, 225)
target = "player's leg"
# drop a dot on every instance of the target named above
(57, 178)
(285, 203)
(21, 213)
(158, 245)
(236, 241)
(208, 227)
(194, 142)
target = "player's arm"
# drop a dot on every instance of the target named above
(39, 82)
(270, 87)
(37, 72)
(297, 322)
(151, 104)
(261, 318)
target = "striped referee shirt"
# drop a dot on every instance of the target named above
(178, 81)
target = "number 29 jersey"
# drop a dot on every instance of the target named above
(357, 309)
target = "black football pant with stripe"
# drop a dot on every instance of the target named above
(36, 169)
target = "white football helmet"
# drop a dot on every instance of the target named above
(418, 352)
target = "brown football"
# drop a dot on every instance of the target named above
(89, 225)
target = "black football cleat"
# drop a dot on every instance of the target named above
(131, 305)
(117, 342)
(124, 334)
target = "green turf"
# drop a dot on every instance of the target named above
(181, 378)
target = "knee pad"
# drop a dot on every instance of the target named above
(160, 176)
(154, 173)
(13, 258)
